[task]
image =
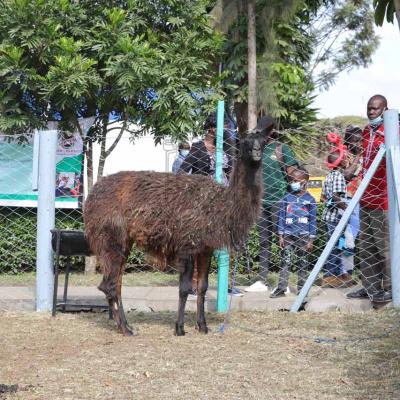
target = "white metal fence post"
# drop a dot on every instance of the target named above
(391, 122)
(45, 219)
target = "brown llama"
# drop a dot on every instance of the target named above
(174, 219)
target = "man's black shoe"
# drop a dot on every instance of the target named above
(278, 292)
(358, 294)
(381, 297)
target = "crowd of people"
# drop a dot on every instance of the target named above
(289, 211)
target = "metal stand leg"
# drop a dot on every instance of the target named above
(68, 262)
(56, 266)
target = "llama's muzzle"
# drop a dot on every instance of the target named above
(256, 152)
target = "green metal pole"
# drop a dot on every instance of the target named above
(222, 255)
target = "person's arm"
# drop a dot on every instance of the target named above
(350, 172)
(313, 218)
(282, 221)
(339, 189)
(189, 161)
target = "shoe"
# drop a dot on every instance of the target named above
(257, 287)
(331, 281)
(277, 292)
(381, 297)
(358, 294)
(347, 280)
(235, 292)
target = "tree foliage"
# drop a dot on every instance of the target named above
(388, 9)
(343, 38)
(150, 62)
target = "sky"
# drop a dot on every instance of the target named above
(351, 91)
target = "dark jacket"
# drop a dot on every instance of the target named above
(198, 161)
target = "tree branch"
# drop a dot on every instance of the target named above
(117, 139)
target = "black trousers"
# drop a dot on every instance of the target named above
(267, 225)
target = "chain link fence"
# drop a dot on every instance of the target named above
(303, 201)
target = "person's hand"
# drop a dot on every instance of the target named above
(349, 240)
(281, 242)
(309, 246)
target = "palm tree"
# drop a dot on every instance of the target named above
(387, 8)
(225, 13)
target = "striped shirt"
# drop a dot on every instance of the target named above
(334, 183)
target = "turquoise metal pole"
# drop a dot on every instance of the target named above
(222, 255)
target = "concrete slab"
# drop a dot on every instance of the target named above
(149, 299)
(335, 300)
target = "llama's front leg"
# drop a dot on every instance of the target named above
(185, 287)
(203, 265)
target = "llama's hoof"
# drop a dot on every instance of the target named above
(129, 332)
(202, 327)
(179, 331)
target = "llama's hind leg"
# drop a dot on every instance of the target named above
(203, 268)
(111, 286)
(185, 287)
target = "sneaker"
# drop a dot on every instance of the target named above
(358, 294)
(331, 281)
(347, 280)
(235, 292)
(381, 297)
(257, 287)
(277, 292)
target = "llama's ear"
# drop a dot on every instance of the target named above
(265, 125)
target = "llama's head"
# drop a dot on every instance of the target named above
(251, 149)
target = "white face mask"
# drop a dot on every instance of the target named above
(376, 121)
(184, 153)
(295, 186)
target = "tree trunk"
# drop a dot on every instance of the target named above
(102, 158)
(241, 118)
(89, 164)
(90, 262)
(90, 265)
(105, 153)
(252, 64)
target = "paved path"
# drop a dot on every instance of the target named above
(149, 299)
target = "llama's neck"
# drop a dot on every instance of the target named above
(245, 193)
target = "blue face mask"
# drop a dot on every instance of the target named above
(376, 121)
(184, 153)
(295, 186)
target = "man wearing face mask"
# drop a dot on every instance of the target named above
(278, 163)
(183, 150)
(374, 233)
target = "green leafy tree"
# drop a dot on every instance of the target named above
(386, 8)
(144, 62)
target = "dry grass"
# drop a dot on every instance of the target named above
(260, 356)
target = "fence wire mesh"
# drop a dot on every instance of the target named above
(302, 203)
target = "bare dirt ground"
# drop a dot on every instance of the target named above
(260, 356)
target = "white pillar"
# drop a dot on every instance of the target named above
(392, 141)
(45, 219)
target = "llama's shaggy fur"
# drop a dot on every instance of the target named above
(172, 217)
